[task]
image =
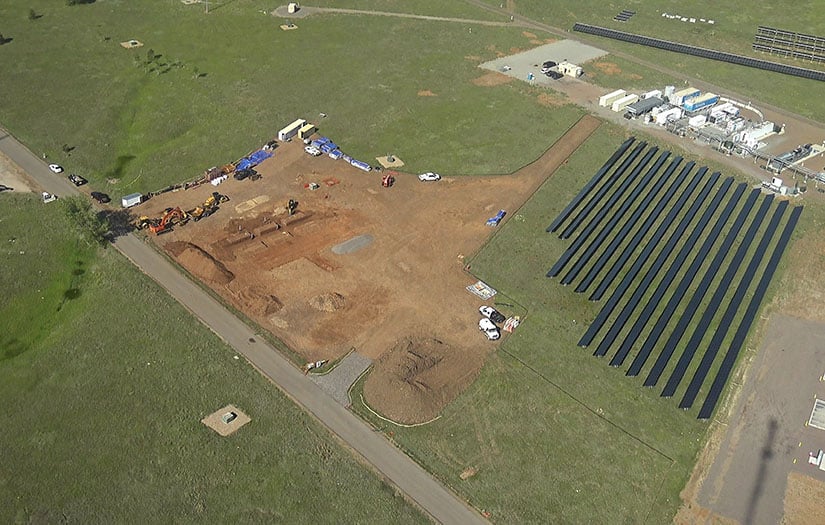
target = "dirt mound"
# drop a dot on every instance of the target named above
(328, 302)
(415, 380)
(200, 262)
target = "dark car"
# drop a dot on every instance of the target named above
(246, 173)
(555, 75)
(77, 180)
(545, 67)
(3, 188)
(100, 197)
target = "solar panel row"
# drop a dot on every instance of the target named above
(729, 360)
(664, 255)
(733, 306)
(616, 216)
(565, 213)
(627, 253)
(700, 52)
(713, 306)
(608, 308)
(791, 35)
(652, 193)
(781, 44)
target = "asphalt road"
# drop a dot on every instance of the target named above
(395, 467)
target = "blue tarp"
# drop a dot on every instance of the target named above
(243, 164)
(335, 154)
(259, 156)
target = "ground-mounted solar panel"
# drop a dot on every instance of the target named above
(565, 213)
(603, 190)
(738, 341)
(615, 216)
(626, 228)
(628, 250)
(716, 299)
(666, 252)
(715, 344)
(682, 288)
(699, 294)
(700, 52)
(651, 245)
(673, 269)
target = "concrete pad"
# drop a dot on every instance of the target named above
(521, 64)
(352, 245)
(386, 164)
(215, 420)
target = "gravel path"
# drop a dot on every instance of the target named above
(337, 382)
(306, 11)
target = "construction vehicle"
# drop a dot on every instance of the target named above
(209, 206)
(291, 206)
(215, 199)
(144, 222)
(169, 219)
(387, 180)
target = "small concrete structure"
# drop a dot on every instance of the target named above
(292, 8)
(226, 421)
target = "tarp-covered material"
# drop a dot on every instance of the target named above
(259, 156)
(243, 164)
(335, 154)
(361, 165)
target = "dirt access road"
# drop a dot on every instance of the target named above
(359, 266)
(396, 468)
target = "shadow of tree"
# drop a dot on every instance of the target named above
(120, 223)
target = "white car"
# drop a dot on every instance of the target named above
(49, 197)
(312, 150)
(429, 177)
(489, 328)
(56, 168)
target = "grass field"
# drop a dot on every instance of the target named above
(105, 380)
(555, 434)
(148, 126)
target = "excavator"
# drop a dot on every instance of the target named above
(171, 217)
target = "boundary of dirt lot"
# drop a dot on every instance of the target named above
(282, 347)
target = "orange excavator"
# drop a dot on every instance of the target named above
(170, 218)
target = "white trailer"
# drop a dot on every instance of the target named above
(133, 199)
(623, 102)
(291, 130)
(610, 98)
(651, 94)
(670, 114)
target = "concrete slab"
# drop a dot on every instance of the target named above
(521, 64)
(352, 245)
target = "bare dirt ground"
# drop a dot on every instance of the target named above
(406, 285)
(12, 176)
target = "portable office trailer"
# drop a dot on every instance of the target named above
(133, 199)
(610, 98)
(291, 130)
(570, 70)
(306, 131)
(671, 114)
(623, 102)
(651, 94)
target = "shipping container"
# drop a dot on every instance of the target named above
(678, 98)
(291, 130)
(610, 98)
(133, 199)
(623, 102)
(701, 102)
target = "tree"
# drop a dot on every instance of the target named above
(92, 226)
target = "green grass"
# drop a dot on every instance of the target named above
(147, 126)
(626, 75)
(105, 392)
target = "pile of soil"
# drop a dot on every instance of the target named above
(415, 380)
(328, 302)
(200, 262)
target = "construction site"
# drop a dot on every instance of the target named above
(330, 258)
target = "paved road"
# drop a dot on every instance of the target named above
(394, 465)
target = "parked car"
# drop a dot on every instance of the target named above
(49, 197)
(492, 314)
(312, 150)
(545, 67)
(100, 197)
(248, 172)
(429, 177)
(77, 180)
(555, 75)
(3, 188)
(56, 168)
(489, 329)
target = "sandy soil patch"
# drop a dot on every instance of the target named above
(803, 500)
(492, 79)
(608, 68)
(551, 99)
(528, 34)
(12, 176)
(227, 420)
(473, 58)
(426, 93)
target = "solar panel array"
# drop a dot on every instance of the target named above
(657, 225)
(624, 15)
(789, 44)
(701, 52)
